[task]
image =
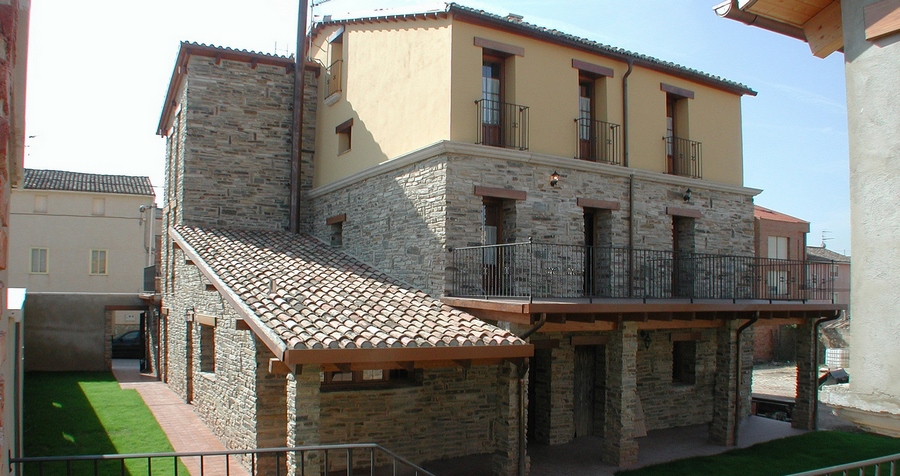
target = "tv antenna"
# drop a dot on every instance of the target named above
(825, 237)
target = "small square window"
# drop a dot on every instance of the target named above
(684, 362)
(39, 260)
(99, 207)
(344, 136)
(98, 261)
(40, 204)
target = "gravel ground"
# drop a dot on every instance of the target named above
(781, 379)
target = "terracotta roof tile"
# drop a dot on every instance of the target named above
(768, 214)
(820, 253)
(62, 180)
(325, 299)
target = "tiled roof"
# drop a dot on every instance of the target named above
(314, 297)
(80, 182)
(820, 253)
(768, 214)
(536, 30)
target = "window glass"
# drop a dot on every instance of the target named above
(98, 261)
(39, 260)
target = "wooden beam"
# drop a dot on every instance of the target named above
(882, 18)
(343, 367)
(464, 363)
(407, 366)
(241, 325)
(824, 32)
(277, 367)
(685, 336)
(545, 343)
(589, 340)
(656, 325)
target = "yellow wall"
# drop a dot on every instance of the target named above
(396, 89)
(401, 81)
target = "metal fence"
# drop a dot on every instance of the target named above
(333, 76)
(884, 466)
(502, 124)
(570, 271)
(685, 157)
(355, 459)
(599, 141)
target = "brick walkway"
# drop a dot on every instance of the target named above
(183, 427)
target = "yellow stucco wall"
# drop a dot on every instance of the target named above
(402, 76)
(396, 89)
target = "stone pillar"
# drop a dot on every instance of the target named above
(804, 415)
(724, 423)
(619, 447)
(303, 413)
(505, 461)
(271, 409)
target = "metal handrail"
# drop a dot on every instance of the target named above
(544, 270)
(395, 461)
(333, 77)
(598, 141)
(502, 124)
(684, 156)
(875, 463)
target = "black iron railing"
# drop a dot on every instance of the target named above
(333, 77)
(570, 271)
(364, 458)
(598, 141)
(684, 157)
(502, 124)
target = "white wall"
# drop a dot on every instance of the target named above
(69, 229)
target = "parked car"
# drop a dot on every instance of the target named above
(129, 345)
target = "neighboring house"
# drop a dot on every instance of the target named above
(491, 213)
(866, 31)
(14, 18)
(835, 335)
(77, 245)
(778, 236)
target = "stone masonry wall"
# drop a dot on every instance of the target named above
(450, 414)
(668, 404)
(237, 159)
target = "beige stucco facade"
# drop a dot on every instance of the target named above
(73, 224)
(428, 75)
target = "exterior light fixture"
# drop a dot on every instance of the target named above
(645, 336)
(554, 179)
(687, 195)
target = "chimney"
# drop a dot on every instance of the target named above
(514, 18)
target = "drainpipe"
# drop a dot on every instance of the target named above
(523, 370)
(737, 368)
(625, 112)
(297, 126)
(837, 315)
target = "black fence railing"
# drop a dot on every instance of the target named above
(599, 141)
(356, 459)
(571, 271)
(150, 279)
(502, 124)
(333, 77)
(684, 157)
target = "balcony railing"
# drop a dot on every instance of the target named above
(537, 270)
(598, 141)
(502, 124)
(683, 157)
(150, 279)
(333, 77)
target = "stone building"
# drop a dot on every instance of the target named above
(492, 215)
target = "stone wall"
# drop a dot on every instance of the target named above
(237, 165)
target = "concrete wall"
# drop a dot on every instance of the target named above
(67, 332)
(70, 229)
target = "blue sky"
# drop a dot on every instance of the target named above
(98, 72)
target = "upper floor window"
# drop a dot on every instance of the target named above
(344, 137)
(98, 262)
(683, 155)
(40, 204)
(334, 73)
(500, 123)
(778, 247)
(99, 207)
(39, 260)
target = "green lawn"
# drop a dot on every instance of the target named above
(806, 452)
(86, 413)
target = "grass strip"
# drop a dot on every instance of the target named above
(814, 450)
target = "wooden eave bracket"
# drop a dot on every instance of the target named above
(277, 367)
(824, 32)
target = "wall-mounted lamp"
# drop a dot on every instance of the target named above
(189, 314)
(687, 195)
(645, 336)
(554, 179)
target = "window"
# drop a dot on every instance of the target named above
(99, 208)
(335, 63)
(778, 247)
(343, 133)
(207, 348)
(39, 260)
(684, 362)
(343, 380)
(98, 261)
(40, 204)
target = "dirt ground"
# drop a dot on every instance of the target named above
(781, 379)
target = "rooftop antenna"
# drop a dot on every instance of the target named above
(825, 238)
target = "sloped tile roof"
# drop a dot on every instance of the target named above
(768, 214)
(549, 33)
(820, 253)
(81, 182)
(314, 297)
